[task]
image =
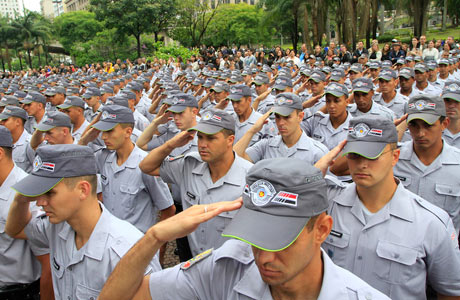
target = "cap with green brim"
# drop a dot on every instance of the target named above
(13, 111)
(34, 96)
(286, 103)
(387, 74)
(220, 86)
(336, 89)
(451, 90)
(71, 101)
(54, 119)
(317, 76)
(9, 100)
(181, 101)
(362, 84)
(52, 164)
(213, 121)
(239, 91)
(368, 136)
(282, 83)
(280, 197)
(112, 115)
(428, 108)
(261, 79)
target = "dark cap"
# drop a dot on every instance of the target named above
(285, 103)
(239, 91)
(112, 115)
(9, 100)
(368, 136)
(13, 111)
(451, 90)
(221, 86)
(6, 140)
(387, 74)
(213, 121)
(336, 89)
(34, 97)
(276, 204)
(53, 163)
(281, 83)
(260, 79)
(53, 119)
(420, 68)
(337, 74)
(406, 73)
(317, 76)
(72, 101)
(363, 84)
(181, 101)
(92, 92)
(426, 107)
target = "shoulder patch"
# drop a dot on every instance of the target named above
(173, 158)
(193, 261)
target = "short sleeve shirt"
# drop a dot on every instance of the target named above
(376, 110)
(320, 128)
(397, 104)
(20, 152)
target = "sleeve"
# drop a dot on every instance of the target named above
(443, 259)
(307, 125)
(158, 191)
(157, 141)
(257, 151)
(37, 231)
(172, 169)
(37, 213)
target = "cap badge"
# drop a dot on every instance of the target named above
(360, 130)
(360, 84)
(207, 116)
(105, 115)
(452, 88)
(261, 192)
(37, 163)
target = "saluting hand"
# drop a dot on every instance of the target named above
(261, 122)
(181, 139)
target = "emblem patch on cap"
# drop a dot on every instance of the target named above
(286, 198)
(453, 88)
(40, 165)
(360, 130)
(207, 116)
(37, 163)
(261, 192)
(360, 84)
(105, 115)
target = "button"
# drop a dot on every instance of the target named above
(360, 257)
(396, 255)
(118, 242)
(68, 298)
(331, 240)
(368, 296)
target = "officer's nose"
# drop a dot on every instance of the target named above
(263, 257)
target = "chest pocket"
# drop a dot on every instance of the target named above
(337, 247)
(404, 180)
(224, 219)
(396, 263)
(129, 193)
(449, 196)
(2, 225)
(57, 267)
(190, 199)
(86, 293)
(318, 137)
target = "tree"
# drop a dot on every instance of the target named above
(7, 34)
(134, 17)
(75, 27)
(452, 9)
(418, 10)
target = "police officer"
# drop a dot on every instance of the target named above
(421, 81)
(92, 97)
(215, 172)
(34, 104)
(127, 192)
(384, 233)
(85, 240)
(54, 97)
(74, 107)
(427, 166)
(451, 96)
(283, 218)
(291, 141)
(265, 99)
(19, 261)
(14, 118)
(389, 97)
(54, 128)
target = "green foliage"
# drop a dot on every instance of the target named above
(237, 24)
(76, 27)
(164, 52)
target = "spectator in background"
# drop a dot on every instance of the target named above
(375, 54)
(430, 53)
(414, 49)
(345, 55)
(386, 52)
(318, 52)
(450, 40)
(359, 50)
(438, 45)
(329, 59)
(303, 53)
(445, 51)
(397, 52)
(423, 45)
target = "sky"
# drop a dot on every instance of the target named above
(33, 5)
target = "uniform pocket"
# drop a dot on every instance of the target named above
(86, 293)
(337, 247)
(449, 195)
(224, 219)
(395, 263)
(129, 192)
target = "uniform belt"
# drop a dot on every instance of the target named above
(20, 291)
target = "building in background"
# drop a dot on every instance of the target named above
(51, 8)
(75, 5)
(11, 8)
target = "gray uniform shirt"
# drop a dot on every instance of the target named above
(79, 132)
(376, 110)
(231, 273)
(397, 105)
(196, 187)
(129, 193)
(81, 274)
(451, 139)
(266, 104)
(438, 183)
(306, 148)
(268, 130)
(320, 128)
(397, 249)
(20, 152)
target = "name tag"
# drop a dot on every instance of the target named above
(191, 195)
(104, 179)
(336, 233)
(55, 264)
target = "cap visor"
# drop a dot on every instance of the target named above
(257, 82)
(452, 96)
(405, 76)
(386, 78)
(361, 90)
(176, 109)
(86, 96)
(428, 118)
(33, 185)
(104, 126)
(26, 101)
(234, 97)
(370, 150)
(44, 127)
(206, 128)
(280, 87)
(64, 106)
(216, 90)
(315, 79)
(338, 95)
(283, 111)
(265, 231)
(333, 78)
(50, 94)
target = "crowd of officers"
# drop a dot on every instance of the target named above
(295, 181)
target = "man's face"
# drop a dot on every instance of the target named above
(452, 109)
(60, 203)
(363, 100)
(336, 106)
(114, 139)
(423, 39)
(261, 88)
(57, 135)
(212, 148)
(450, 40)
(375, 73)
(317, 88)
(406, 83)
(290, 124)
(220, 96)
(432, 74)
(92, 101)
(105, 96)
(12, 123)
(387, 86)
(184, 120)
(424, 135)
(74, 113)
(354, 75)
(57, 99)
(360, 45)
(367, 173)
(242, 106)
(421, 77)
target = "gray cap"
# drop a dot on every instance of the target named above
(92, 92)
(55, 90)
(336, 89)
(72, 101)
(6, 140)
(406, 73)
(112, 115)
(276, 204)
(409, 58)
(220, 86)
(387, 74)
(285, 103)
(356, 68)
(432, 65)
(443, 61)
(209, 82)
(239, 91)
(337, 74)
(363, 84)
(34, 97)
(13, 111)
(260, 79)
(368, 136)
(130, 95)
(401, 61)
(54, 119)
(53, 163)
(20, 94)
(198, 81)
(281, 83)
(420, 68)
(181, 101)
(9, 100)
(374, 65)
(451, 90)
(118, 100)
(426, 107)
(213, 121)
(135, 86)
(72, 90)
(236, 78)
(105, 89)
(317, 76)
(386, 64)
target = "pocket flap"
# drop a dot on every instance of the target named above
(449, 190)
(398, 253)
(129, 189)
(338, 239)
(228, 214)
(86, 293)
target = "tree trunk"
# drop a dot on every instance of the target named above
(138, 40)
(382, 20)
(375, 9)
(306, 29)
(3, 62)
(39, 58)
(364, 9)
(419, 13)
(7, 56)
(30, 59)
(20, 60)
(156, 36)
(444, 15)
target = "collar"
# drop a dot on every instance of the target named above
(25, 136)
(448, 156)
(132, 161)
(233, 175)
(252, 285)
(15, 175)
(333, 286)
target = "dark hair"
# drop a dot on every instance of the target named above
(8, 151)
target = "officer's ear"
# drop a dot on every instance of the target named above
(445, 123)
(322, 227)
